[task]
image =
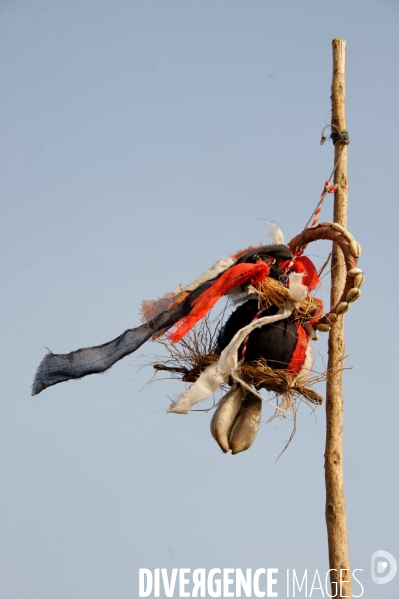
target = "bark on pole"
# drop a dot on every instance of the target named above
(335, 497)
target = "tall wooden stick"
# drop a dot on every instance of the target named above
(335, 497)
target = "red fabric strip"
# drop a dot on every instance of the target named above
(305, 265)
(236, 275)
(299, 353)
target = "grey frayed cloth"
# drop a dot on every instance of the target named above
(57, 368)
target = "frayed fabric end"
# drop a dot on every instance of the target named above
(297, 291)
(209, 381)
(174, 408)
(151, 308)
(275, 233)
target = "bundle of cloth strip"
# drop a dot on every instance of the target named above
(265, 343)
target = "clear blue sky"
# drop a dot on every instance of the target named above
(140, 142)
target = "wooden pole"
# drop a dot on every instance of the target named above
(335, 497)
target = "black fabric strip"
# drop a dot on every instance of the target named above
(275, 251)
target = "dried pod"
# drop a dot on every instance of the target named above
(324, 327)
(358, 280)
(348, 235)
(338, 227)
(326, 223)
(332, 318)
(246, 425)
(224, 416)
(342, 308)
(355, 271)
(355, 248)
(353, 294)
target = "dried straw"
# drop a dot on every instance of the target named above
(280, 382)
(275, 293)
(196, 351)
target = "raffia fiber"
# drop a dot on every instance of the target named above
(273, 292)
(196, 351)
(261, 376)
(258, 374)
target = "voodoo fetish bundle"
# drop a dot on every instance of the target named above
(264, 344)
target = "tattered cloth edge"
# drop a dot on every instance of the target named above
(58, 368)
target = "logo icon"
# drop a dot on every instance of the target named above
(380, 560)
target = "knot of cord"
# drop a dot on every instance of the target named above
(341, 136)
(328, 188)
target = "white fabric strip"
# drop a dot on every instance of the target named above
(306, 369)
(296, 290)
(275, 233)
(220, 266)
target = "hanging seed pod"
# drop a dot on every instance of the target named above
(348, 235)
(246, 425)
(353, 294)
(324, 327)
(358, 280)
(355, 248)
(327, 223)
(224, 416)
(342, 308)
(355, 271)
(338, 227)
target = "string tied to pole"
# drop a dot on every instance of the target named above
(336, 136)
(328, 188)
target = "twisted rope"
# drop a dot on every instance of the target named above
(336, 136)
